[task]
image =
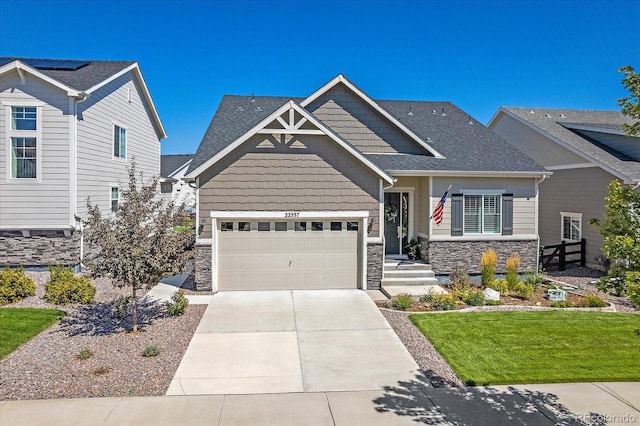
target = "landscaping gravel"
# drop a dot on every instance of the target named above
(583, 278)
(434, 367)
(48, 367)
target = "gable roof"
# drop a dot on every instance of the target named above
(80, 78)
(261, 125)
(463, 144)
(340, 79)
(577, 131)
(171, 163)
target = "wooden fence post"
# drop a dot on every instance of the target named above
(562, 256)
(583, 252)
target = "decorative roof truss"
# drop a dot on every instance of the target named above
(291, 123)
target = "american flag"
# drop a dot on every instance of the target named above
(437, 213)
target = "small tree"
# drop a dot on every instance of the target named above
(137, 246)
(621, 230)
(631, 105)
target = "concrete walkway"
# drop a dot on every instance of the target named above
(402, 404)
(292, 341)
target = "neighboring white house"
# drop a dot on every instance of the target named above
(68, 131)
(173, 167)
(585, 150)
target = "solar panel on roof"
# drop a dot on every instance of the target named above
(56, 64)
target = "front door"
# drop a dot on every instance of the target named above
(396, 222)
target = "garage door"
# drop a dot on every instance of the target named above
(279, 255)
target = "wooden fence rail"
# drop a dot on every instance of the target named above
(565, 256)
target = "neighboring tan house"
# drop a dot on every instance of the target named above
(68, 131)
(315, 192)
(585, 150)
(173, 167)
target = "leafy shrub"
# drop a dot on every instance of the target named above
(513, 263)
(460, 284)
(474, 298)
(493, 302)
(150, 351)
(488, 263)
(593, 301)
(524, 291)
(561, 305)
(633, 287)
(501, 286)
(64, 287)
(532, 278)
(614, 282)
(121, 306)
(402, 302)
(443, 302)
(15, 285)
(178, 305)
(85, 354)
(427, 298)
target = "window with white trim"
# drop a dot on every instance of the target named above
(115, 199)
(119, 141)
(23, 134)
(482, 214)
(571, 226)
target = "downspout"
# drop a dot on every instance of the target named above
(83, 97)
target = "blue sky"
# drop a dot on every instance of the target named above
(478, 54)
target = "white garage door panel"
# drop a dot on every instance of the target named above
(287, 260)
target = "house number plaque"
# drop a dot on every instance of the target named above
(291, 214)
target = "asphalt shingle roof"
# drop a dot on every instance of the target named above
(467, 147)
(171, 162)
(80, 79)
(558, 123)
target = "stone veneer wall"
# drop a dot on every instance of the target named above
(375, 263)
(447, 256)
(40, 250)
(203, 266)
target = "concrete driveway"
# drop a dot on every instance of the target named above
(292, 341)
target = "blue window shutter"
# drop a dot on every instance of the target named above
(507, 214)
(457, 214)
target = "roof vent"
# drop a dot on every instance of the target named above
(433, 111)
(258, 109)
(443, 113)
(562, 115)
(410, 112)
(547, 115)
(253, 99)
(470, 121)
(532, 112)
(240, 108)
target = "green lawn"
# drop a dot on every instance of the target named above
(490, 348)
(19, 325)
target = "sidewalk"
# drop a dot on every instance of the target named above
(404, 404)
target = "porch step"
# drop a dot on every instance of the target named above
(407, 273)
(415, 281)
(390, 265)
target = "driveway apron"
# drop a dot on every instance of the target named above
(251, 342)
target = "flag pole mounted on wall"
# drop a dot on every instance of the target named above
(437, 212)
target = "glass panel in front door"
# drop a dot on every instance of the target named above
(392, 218)
(405, 222)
